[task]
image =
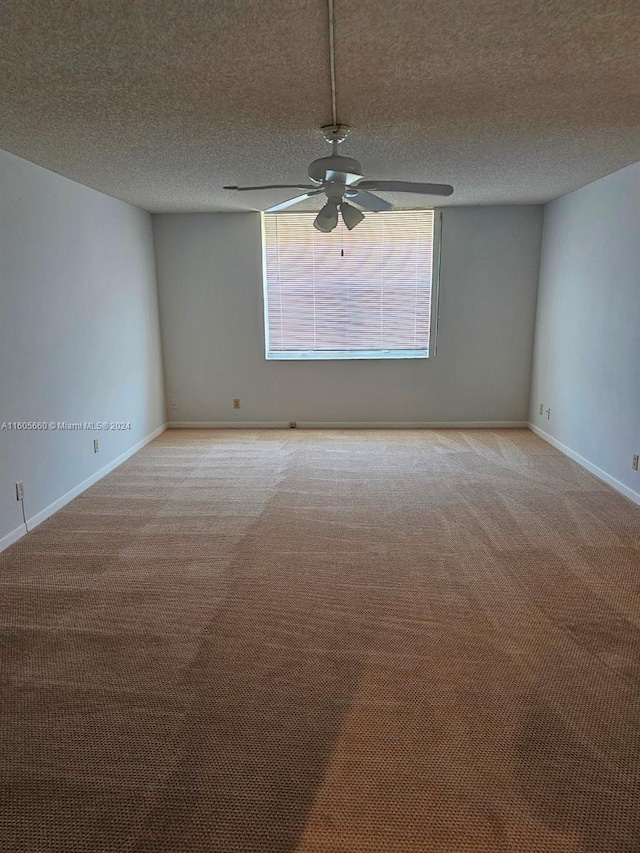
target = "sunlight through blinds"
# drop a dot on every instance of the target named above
(364, 293)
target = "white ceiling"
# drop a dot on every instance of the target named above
(161, 103)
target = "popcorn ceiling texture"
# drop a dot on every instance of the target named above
(162, 103)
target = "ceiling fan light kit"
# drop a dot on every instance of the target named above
(340, 178)
(327, 219)
(351, 216)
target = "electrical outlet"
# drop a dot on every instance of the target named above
(20, 491)
(634, 464)
(174, 405)
(236, 402)
(96, 445)
(541, 409)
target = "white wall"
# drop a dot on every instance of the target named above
(79, 334)
(210, 286)
(587, 348)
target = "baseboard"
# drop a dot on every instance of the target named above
(588, 466)
(12, 537)
(348, 424)
(39, 517)
(228, 425)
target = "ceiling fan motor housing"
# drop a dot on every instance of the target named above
(334, 191)
(345, 170)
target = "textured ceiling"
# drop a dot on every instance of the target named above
(161, 103)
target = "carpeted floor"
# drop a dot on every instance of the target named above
(326, 641)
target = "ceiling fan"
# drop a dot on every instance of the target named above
(340, 178)
(341, 181)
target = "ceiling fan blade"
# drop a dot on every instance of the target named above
(368, 200)
(406, 187)
(283, 205)
(275, 187)
(341, 177)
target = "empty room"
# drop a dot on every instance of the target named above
(320, 426)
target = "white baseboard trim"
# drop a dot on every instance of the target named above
(348, 424)
(41, 516)
(12, 537)
(228, 425)
(588, 466)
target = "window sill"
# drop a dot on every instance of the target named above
(339, 355)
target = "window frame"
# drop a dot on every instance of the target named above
(361, 355)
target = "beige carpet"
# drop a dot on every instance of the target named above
(326, 641)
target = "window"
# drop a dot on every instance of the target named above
(365, 293)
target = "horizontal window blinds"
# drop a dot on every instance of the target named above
(361, 293)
